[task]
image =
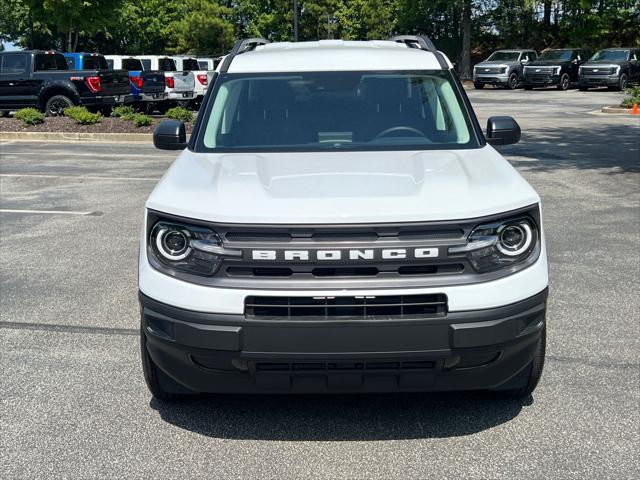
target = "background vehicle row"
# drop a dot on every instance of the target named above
(615, 68)
(43, 80)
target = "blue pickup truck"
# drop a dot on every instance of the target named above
(146, 87)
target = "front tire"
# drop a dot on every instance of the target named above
(531, 373)
(478, 86)
(623, 83)
(564, 82)
(512, 84)
(55, 105)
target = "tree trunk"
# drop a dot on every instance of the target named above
(69, 41)
(465, 60)
(547, 14)
(75, 41)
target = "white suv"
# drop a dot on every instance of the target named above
(338, 222)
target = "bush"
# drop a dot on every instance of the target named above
(82, 116)
(30, 116)
(633, 96)
(125, 112)
(180, 113)
(141, 120)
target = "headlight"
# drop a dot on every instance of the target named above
(500, 245)
(504, 69)
(176, 246)
(556, 70)
(580, 71)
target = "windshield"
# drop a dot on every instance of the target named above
(50, 61)
(337, 110)
(189, 64)
(563, 55)
(95, 62)
(503, 57)
(132, 64)
(611, 55)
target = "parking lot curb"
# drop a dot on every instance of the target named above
(617, 110)
(76, 137)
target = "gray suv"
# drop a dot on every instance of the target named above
(503, 68)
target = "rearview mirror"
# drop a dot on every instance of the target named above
(170, 135)
(502, 131)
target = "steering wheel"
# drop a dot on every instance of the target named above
(386, 132)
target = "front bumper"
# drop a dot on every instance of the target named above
(227, 353)
(541, 80)
(491, 78)
(598, 80)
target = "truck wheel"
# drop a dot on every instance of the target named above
(531, 374)
(153, 377)
(624, 82)
(564, 82)
(478, 86)
(55, 105)
(106, 111)
(4, 113)
(513, 81)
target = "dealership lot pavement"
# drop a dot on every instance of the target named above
(74, 403)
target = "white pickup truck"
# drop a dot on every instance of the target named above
(179, 84)
(202, 77)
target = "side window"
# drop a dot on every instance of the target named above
(70, 63)
(110, 63)
(146, 63)
(534, 55)
(14, 64)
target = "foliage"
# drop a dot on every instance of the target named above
(82, 116)
(179, 113)
(30, 116)
(206, 27)
(633, 96)
(125, 112)
(141, 120)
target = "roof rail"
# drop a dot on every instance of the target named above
(423, 43)
(241, 46)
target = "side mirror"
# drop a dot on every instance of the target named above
(170, 135)
(502, 131)
(524, 61)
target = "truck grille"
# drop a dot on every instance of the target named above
(542, 70)
(596, 71)
(488, 70)
(346, 308)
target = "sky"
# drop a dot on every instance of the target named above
(8, 46)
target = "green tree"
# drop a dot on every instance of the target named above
(75, 17)
(368, 19)
(207, 27)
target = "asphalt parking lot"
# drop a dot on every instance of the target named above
(74, 403)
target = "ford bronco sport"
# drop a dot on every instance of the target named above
(338, 222)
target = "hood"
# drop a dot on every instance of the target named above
(548, 63)
(492, 64)
(340, 187)
(603, 63)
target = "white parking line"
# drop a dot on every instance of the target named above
(48, 212)
(79, 177)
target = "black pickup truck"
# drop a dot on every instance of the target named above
(557, 68)
(42, 79)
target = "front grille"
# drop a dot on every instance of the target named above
(333, 366)
(487, 70)
(542, 70)
(304, 271)
(347, 308)
(596, 71)
(340, 235)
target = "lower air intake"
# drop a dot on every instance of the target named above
(348, 308)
